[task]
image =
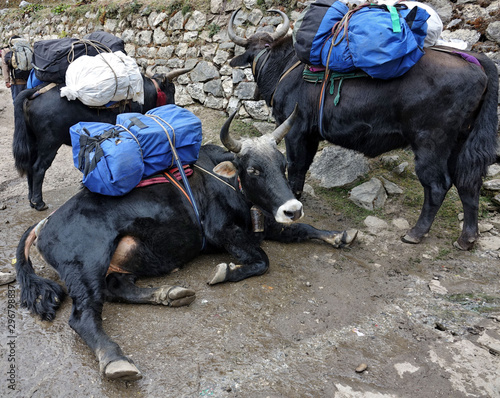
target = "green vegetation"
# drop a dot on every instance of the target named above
(338, 199)
(32, 9)
(133, 8)
(213, 29)
(477, 302)
(60, 9)
(242, 130)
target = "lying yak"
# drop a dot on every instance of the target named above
(444, 108)
(42, 123)
(100, 245)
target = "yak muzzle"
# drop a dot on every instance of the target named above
(289, 212)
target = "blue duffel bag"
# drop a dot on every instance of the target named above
(115, 158)
(160, 126)
(383, 41)
(109, 157)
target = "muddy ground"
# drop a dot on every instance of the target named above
(301, 330)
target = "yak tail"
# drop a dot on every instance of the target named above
(479, 149)
(39, 295)
(23, 144)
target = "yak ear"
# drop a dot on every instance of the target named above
(226, 169)
(240, 60)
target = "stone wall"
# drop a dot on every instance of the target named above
(161, 42)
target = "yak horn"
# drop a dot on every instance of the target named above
(240, 41)
(284, 127)
(173, 74)
(229, 142)
(284, 28)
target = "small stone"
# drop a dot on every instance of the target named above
(7, 277)
(401, 224)
(485, 227)
(391, 188)
(492, 185)
(361, 368)
(491, 341)
(375, 224)
(401, 168)
(489, 243)
(308, 284)
(493, 170)
(435, 287)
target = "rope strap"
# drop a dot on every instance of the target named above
(177, 160)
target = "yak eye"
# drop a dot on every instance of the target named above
(253, 171)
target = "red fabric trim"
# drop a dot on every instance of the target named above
(161, 179)
(161, 98)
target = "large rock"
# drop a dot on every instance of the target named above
(335, 167)
(471, 37)
(204, 71)
(370, 195)
(493, 31)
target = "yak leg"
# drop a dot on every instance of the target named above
(300, 232)
(432, 171)
(86, 320)
(300, 151)
(251, 259)
(40, 167)
(29, 178)
(122, 288)
(470, 231)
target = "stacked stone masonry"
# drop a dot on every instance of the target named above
(160, 42)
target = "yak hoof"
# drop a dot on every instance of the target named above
(122, 370)
(348, 237)
(39, 206)
(461, 246)
(407, 238)
(342, 239)
(174, 296)
(220, 274)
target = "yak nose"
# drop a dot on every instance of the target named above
(289, 212)
(293, 215)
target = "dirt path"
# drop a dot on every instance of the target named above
(301, 330)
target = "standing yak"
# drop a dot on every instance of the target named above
(444, 109)
(42, 121)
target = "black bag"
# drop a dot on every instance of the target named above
(113, 42)
(51, 58)
(306, 28)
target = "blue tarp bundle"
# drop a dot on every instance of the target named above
(109, 157)
(115, 158)
(183, 127)
(383, 41)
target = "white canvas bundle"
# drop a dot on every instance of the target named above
(434, 23)
(97, 80)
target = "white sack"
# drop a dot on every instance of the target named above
(97, 80)
(434, 23)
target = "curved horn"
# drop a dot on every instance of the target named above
(284, 28)
(229, 142)
(284, 127)
(240, 41)
(173, 74)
